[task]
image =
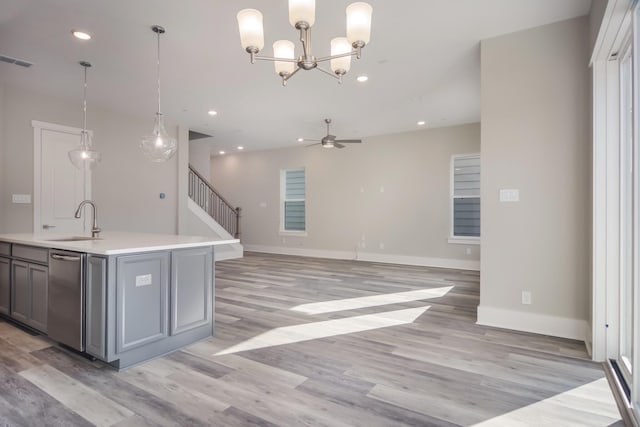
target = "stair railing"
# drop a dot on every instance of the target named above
(218, 208)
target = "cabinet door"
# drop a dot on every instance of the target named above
(142, 300)
(39, 282)
(5, 285)
(20, 291)
(96, 306)
(191, 282)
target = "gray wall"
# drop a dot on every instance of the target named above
(126, 186)
(410, 217)
(535, 137)
(596, 14)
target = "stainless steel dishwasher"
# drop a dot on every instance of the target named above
(65, 308)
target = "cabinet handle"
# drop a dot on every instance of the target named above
(47, 226)
(65, 257)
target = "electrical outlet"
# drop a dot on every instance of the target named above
(381, 246)
(526, 297)
(284, 240)
(363, 245)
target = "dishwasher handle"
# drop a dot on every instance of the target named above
(65, 257)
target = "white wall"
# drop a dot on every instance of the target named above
(535, 138)
(410, 217)
(200, 156)
(126, 186)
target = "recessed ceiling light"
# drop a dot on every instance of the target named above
(362, 78)
(212, 112)
(221, 152)
(421, 123)
(300, 139)
(241, 148)
(81, 35)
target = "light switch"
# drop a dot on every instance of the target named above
(510, 195)
(21, 198)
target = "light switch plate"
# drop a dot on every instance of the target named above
(21, 198)
(510, 195)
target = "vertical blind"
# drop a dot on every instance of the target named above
(294, 200)
(466, 196)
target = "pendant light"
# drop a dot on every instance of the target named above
(83, 157)
(159, 146)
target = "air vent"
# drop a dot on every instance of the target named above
(193, 135)
(16, 61)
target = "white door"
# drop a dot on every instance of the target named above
(59, 187)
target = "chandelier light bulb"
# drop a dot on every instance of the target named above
(302, 11)
(251, 30)
(284, 49)
(359, 23)
(341, 65)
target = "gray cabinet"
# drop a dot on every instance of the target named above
(29, 288)
(142, 299)
(96, 306)
(191, 302)
(20, 291)
(143, 305)
(5, 285)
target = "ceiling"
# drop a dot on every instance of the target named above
(423, 63)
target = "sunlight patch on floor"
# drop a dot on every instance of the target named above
(593, 400)
(371, 301)
(327, 328)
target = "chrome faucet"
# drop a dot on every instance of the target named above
(94, 230)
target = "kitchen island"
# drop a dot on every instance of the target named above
(123, 298)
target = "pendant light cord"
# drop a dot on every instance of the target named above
(84, 101)
(159, 111)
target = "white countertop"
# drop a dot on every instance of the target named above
(115, 243)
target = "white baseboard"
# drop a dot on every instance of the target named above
(588, 341)
(458, 264)
(313, 253)
(533, 322)
(367, 256)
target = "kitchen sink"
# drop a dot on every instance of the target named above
(72, 239)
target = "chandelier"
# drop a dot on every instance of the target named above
(302, 17)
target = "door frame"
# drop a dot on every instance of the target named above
(38, 127)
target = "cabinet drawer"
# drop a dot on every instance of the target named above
(31, 253)
(5, 248)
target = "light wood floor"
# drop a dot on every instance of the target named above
(294, 347)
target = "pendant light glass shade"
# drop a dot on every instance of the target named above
(83, 157)
(159, 146)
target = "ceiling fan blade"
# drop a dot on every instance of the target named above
(349, 141)
(311, 145)
(310, 140)
(331, 137)
(335, 144)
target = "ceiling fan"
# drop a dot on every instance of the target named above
(330, 141)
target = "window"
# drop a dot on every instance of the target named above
(292, 190)
(465, 198)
